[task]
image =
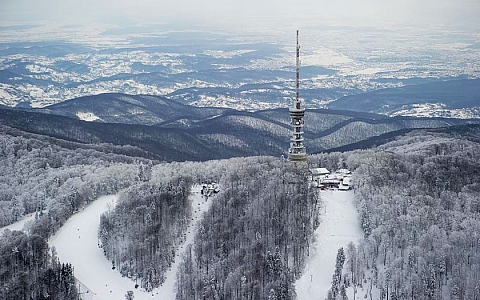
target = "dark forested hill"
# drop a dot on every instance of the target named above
(170, 131)
(128, 109)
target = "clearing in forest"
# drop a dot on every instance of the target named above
(339, 225)
(77, 243)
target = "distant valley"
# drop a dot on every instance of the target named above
(422, 76)
(198, 95)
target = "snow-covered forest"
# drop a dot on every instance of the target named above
(52, 180)
(419, 203)
(28, 270)
(140, 235)
(253, 241)
(418, 199)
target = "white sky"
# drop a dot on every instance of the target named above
(459, 14)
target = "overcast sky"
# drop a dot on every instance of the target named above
(457, 14)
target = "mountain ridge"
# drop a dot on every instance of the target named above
(173, 131)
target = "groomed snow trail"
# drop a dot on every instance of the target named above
(339, 225)
(19, 225)
(76, 243)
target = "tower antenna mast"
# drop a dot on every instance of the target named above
(297, 77)
(297, 151)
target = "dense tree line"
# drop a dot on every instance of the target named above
(418, 199)
(53, 180)
(419, 206)
(140, 235)
(253, 242)
(29, 271)
(41, 177)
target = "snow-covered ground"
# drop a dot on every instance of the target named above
(76, 242)
(19, 225)
(87, 116)
(339, 226)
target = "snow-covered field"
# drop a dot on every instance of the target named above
(339, 226)
(76, 242)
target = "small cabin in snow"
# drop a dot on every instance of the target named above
(331, 182)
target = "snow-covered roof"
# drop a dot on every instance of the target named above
(319, 171)
(331, 181)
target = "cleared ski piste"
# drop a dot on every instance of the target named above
(77, 243)
(19, 225)
(339, 225)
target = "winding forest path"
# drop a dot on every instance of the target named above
(199, 204)
(77, 243)
(339, 226)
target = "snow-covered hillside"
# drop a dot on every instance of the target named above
(77, 243)
(339, 226)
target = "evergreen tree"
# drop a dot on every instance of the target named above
(129, 295)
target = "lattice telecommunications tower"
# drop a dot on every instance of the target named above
(297, 151)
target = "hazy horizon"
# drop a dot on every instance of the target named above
(247, 15)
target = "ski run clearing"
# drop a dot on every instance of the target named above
(339, 225)
(19, 225)
(77, 243)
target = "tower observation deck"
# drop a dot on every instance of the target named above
(297, 151)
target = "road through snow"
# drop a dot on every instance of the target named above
(199, 205)
(76, 243)
(339, 225)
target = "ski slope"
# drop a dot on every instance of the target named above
(77, 243)
(339, 226)
(19, 225)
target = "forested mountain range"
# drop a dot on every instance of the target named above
(168, 130)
